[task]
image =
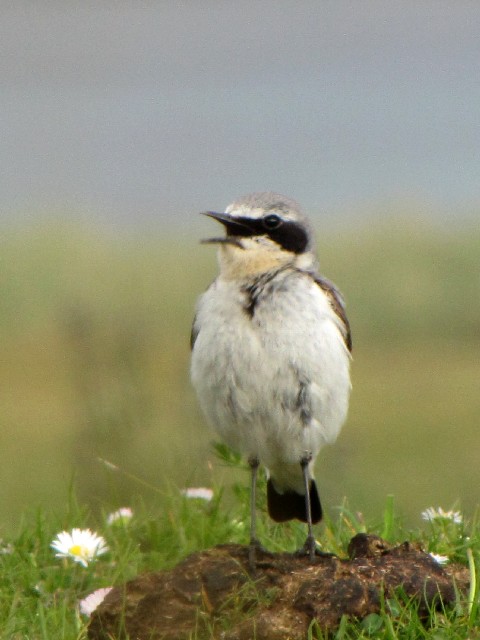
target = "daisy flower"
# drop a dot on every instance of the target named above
(121, 516)
(198, 492)
(439, 558)
(432, 514)
(93, 600)
(82, 545)
(6, 548)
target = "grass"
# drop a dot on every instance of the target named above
(39, 593)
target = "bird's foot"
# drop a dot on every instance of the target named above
(255, 548)
(312, 551)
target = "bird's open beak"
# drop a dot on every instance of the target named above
(232, 227)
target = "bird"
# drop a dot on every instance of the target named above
(271, 351)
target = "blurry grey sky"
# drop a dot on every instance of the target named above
(152, 111)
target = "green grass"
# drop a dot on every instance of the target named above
(39, 593)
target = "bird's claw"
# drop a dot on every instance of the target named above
(312, 551)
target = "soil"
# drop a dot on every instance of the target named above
(213, 594)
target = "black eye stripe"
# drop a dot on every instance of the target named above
(292, 236)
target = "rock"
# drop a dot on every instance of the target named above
(213, 594)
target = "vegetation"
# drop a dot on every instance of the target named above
(40, 594)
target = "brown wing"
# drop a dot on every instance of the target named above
(336, 301)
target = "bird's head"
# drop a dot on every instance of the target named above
(264, 232)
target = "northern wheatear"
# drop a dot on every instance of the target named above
(271, 353)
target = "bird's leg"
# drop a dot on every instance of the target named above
(254, 463)
(310, 544)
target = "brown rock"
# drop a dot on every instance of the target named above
(213, 593)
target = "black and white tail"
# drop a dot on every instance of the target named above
(291, 505)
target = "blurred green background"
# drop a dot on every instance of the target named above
(94, 359)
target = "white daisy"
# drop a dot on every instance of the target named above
(432, 514)
(121, 516)
(6, 548)
(439, 558)
(82, 545)
(93, 600)
(198, 492)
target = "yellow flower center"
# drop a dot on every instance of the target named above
(77, 550)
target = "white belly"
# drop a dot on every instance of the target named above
(275, 385)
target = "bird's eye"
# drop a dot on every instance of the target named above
(272, 221)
